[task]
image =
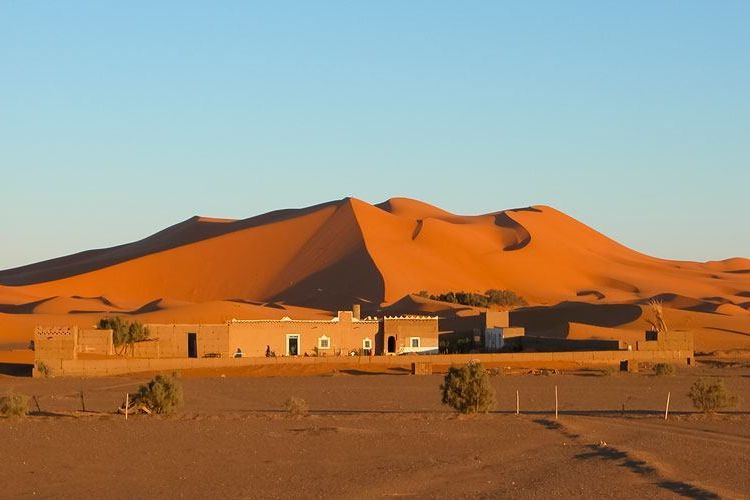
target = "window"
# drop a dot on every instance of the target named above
(414, 341)
(324, 342)
(367, 344)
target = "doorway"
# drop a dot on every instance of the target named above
(292, 345)
(192, 345)
(391, 344)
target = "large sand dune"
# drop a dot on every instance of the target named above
(330, 255)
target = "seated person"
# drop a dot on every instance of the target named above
(238, 353)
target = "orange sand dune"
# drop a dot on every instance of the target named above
(330, 255)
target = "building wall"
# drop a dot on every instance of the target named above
(668, 341)
(94, 341)
(55, 342)
(404, 328)
(494, 319)
(173, 339)
(344, 335)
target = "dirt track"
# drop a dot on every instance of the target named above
(372, 436)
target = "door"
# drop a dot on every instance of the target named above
(292, 345)
(391, 344)
(192, 345)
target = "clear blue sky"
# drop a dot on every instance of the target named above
(118, 119)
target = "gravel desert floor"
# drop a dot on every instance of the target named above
(379, 435)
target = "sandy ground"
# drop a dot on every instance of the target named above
(374, 436)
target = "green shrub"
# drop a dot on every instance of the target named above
(296, 407)
(663, 369)
(163, 394)
(710, 395)
(14, 405)
(467, 389)
(124, 334)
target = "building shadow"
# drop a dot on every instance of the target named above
(16, 369)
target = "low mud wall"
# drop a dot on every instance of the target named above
(119, 366)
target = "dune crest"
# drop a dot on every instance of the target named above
(328, 255)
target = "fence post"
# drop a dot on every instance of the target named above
(518, 403)
(127, 403)
(555, 402)
(666, 410)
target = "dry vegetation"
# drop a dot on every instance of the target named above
(14, 405)
(468, 389)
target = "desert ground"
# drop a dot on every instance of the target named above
(375, 435)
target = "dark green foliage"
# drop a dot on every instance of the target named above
(423, 293)
(163, 394)
(14, 405)
(710, 395)
(467, 389)
(124, 333)
(504, 299)
(461, 345)
(118, 326)
(663, 369)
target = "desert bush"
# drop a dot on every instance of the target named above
(663, 369)
(504, 299)
(163, 394)
(467, 389)
(710, 395)
(44, 369)
(296, 407)
(14, 405)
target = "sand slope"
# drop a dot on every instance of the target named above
(330, 255)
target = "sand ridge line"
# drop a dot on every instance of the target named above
(642, 464)
(703, 434)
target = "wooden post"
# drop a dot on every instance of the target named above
(555, 402)
(127, 403)
(666, 410)
(36, 402)
(518, 403)
(83, 402)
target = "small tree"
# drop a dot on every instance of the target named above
(710, 395)
(468, 389)
(14, 405)
(124, 334)
(163, 394)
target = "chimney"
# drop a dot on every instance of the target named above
(356, 311)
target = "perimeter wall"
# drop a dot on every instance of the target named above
(117, 366)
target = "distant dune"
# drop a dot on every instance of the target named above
(327, 256)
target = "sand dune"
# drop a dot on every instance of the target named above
(330, 255)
